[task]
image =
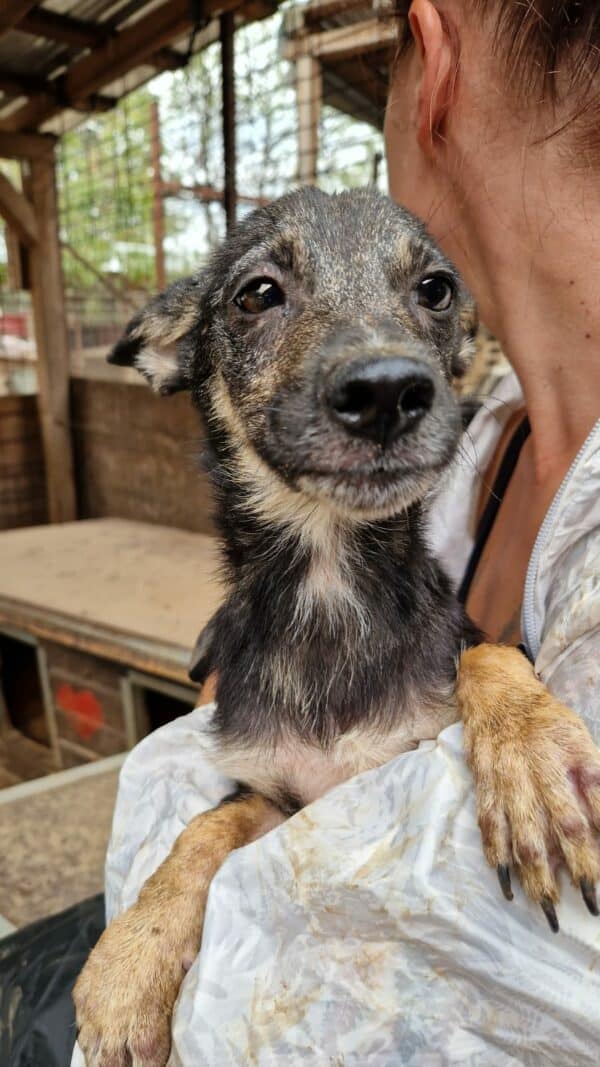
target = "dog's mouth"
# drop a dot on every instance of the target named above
(348, 477)
(371, 490)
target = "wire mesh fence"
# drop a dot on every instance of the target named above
(141, 188)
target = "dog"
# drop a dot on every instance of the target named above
(320, 345)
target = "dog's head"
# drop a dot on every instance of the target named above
(320, 343)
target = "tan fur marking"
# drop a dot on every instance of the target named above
(465, 356)
(159, 367)
(486, 366)
(526, 750)
(125, 994)
(160, 329)
(330, 582)
(469, 318)
(269, 496)
(404, 249)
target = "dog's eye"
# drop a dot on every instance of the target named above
(259, 295)
(436, 292)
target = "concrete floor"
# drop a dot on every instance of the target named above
(53, 837)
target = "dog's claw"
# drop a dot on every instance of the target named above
(550, 912)
(504, 879)
(588, 892)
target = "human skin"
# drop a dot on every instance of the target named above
(520, 216)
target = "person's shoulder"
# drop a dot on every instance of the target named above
(561, 609)
(567, 548)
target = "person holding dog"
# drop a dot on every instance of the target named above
(366, 932)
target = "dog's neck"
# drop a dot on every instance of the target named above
(319, 554)
(330, 624)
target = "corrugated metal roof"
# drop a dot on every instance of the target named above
(27, 53)
(47, 42)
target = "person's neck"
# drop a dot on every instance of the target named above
(542, 301)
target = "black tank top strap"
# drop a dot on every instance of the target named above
(486, 522)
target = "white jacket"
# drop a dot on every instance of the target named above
(368, 930)
(560, 620)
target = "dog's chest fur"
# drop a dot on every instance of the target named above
(334, 656)
(294, 773)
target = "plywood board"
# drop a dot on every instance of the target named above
(128, 591)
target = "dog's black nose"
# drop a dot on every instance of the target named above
(382, 399)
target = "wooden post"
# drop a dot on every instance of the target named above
(158, 217)
(48, 301)
(228, 88)
(18, 212)
(309, 90)
(17, 261)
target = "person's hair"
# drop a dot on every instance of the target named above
(551, 53)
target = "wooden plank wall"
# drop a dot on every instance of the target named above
(137, 456)
(22, 473)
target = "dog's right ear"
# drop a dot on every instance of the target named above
(151, 341)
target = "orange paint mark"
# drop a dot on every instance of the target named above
(82, 708)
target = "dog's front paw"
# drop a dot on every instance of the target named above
(537, 777)
(125, 994)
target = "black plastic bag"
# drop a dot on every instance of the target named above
(38, 968)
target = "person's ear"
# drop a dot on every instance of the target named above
(438, 61)
(151, 342)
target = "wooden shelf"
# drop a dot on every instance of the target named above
(126, 591)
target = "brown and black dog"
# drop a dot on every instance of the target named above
(319, 346)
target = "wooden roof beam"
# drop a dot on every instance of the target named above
(52, 90)
(317, 10)
(22, 84)
(168, 59)
(18, 212)
(254, 10)
(25, 145)
(12, 12)
(78, 33)
(127, 49)
(344, 41)
(135, 45)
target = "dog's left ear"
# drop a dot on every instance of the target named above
(151, 341)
